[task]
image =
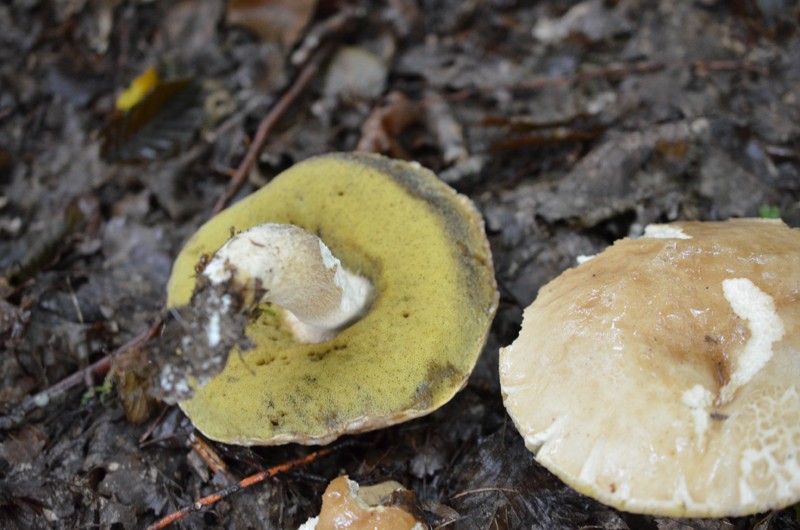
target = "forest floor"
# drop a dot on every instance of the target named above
(569, 125)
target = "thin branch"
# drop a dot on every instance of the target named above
(149, 432)
(607, 72)
(323, 31)
(210, 457)
(247, 482)
(264, 129)
(483, 490)
(336, 24)
(614, 71)
(97, 369)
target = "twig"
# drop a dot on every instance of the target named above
(612, 71)
(264, 128)
(781, 152)
(149, 432)
(606, 72)
(336, 24)
(483, 490)
(322, 31)
(209, 456)
(247, 482)
(642, 67)
(729, 66)
(98, 368)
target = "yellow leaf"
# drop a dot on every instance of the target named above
(140, 87)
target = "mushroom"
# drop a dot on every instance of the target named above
(663, 375)
(389, 333)
(346, 505)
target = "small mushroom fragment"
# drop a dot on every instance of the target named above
(348, 506)
(368, 287)
(662, 376)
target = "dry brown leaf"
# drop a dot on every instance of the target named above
(162, 123)
(385, 124)
(272, 20)
(24, 445)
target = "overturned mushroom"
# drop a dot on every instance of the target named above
(346, 505)
(369, 310)
(663, 375)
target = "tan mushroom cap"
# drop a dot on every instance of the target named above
(423, 248)
(347, 505)
(663, 375)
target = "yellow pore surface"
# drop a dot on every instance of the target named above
(424, 249)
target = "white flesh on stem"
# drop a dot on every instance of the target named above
(296, 271)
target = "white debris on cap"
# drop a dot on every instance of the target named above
(699, 400)
(663, 375)
(663, 231)
(766, 327)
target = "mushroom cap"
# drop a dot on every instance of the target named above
(346, 504)
(663, 375)
(424, 249)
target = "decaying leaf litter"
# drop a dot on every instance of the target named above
(570, 125)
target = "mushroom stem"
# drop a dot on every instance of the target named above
(295, 270)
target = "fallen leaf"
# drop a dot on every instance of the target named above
(385, 124)
(24, 446)
(592, 20)
(355, 72)
(161, 123)
(140, 87)
(448, 131)
(45, 246)
(272, 20)
(189, 29)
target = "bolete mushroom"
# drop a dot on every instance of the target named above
(663, 375)
(389, 333)
(348, 506)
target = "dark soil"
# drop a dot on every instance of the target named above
(569, 128)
